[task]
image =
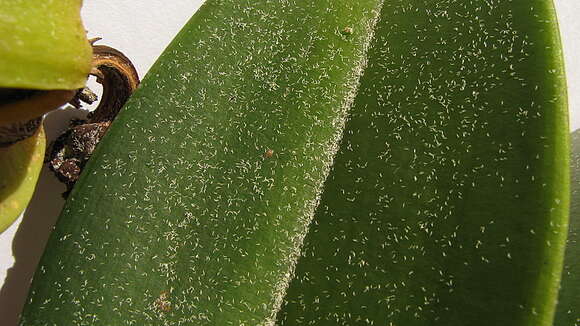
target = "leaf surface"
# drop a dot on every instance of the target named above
(193, 207)
(43, 45)
(448, 200)
(446, 205)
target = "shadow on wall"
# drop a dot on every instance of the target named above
(34, 230)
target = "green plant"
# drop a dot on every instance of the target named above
(448, 200)
(446, 204)
(44, 58)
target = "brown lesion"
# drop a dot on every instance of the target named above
(71, 150)
(162, 302)
(269, 153)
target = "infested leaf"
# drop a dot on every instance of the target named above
(194, 205)
(446, 203)
(448, 200)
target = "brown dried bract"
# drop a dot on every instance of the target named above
(119, 79)
(74, 147)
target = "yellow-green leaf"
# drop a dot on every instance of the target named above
(43, 45)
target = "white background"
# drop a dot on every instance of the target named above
(141, 29)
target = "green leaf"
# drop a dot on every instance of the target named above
(43, 45)
(446, 205)
(20, 165)
(194, 205)
(568, 310)
(448, 200)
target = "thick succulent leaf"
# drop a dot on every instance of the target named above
(568, 310)
(43, 45)
(20, 165)
(448, 200)
(193, 207)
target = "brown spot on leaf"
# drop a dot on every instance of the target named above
(269, 153)
(162, 303)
